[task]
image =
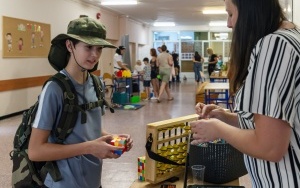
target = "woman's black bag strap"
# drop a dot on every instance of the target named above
(156, 156)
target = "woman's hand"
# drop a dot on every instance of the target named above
(210, 111)
(206, 130)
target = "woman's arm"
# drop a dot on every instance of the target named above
(170, 60)
(206, 111)
(122, 65)
(268, 141)
(215, 60)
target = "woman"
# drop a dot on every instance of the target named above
(154, 73)
(79, 158)
(197, 59)
(118, 59)
(264, 76)
(165, 63)
(212, 60)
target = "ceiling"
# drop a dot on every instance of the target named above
(182, 12)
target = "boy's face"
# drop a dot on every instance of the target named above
(86, 55)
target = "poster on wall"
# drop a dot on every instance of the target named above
(24, 38)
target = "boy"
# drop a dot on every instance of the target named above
(147, 77)
(79, 158)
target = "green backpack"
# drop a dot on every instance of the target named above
(27, 173)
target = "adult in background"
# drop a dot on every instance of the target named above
(212, 60)
(175, 57)
(264, 76)
(165, 63)
(154, 73)
(118, 59)
(198, 60)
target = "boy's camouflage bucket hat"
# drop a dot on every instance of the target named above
(83, 29)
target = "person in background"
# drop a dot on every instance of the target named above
(147, 77)
(79, 158)
(165, 63)
(264, 77)
(198, 60)
(175, 57)
(118, 59)
(154, 73)
(219, 63)
(159, 49)
(138, 68)
(212, 60)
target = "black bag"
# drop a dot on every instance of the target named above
(26, 173)
(223, 163)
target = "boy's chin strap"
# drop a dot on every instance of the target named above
(82, 68)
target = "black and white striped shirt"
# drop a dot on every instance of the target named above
(272, 88)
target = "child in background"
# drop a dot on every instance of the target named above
(138, 68)
(147, 77)
(220, 62)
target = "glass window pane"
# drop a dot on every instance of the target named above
(165, 35)
(220, 36)
(187, 35)
(171, 46)
(201, 36)
(217, 47)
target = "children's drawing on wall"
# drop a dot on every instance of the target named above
(23, 38)
(33, 40)
(9, 41)
(42, 38)
(20, 45)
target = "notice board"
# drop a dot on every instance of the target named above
(24, 38)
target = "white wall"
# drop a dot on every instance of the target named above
(296, 12)
(57, 13)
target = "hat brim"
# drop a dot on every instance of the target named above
(58, 52)
(94, 41)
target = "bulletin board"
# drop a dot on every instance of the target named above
(24, 38)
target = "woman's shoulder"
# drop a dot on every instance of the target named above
(289, 36)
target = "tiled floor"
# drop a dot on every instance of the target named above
(122, 172)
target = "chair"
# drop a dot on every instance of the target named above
(109, 83)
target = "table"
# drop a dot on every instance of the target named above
(219, 89)
(217, 78)
(179, 183)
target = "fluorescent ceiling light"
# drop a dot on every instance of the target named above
(218, 23)
(119, 2)
(214, 12)
(221, 36)
(163, 24)
(186, 37)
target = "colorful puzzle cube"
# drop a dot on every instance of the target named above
(119, 141)
(141, 168)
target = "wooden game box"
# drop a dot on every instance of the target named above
(170, 139)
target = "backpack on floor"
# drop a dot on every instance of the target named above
(31, 174)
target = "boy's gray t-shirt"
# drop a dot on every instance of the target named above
(81, 171)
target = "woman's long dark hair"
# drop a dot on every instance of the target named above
(197, 56)
(118, 51)
(153, 52)
(264, 17)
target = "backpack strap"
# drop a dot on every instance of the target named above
(70, 109)
(98, 85)
(70, 113)
(66, 123)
